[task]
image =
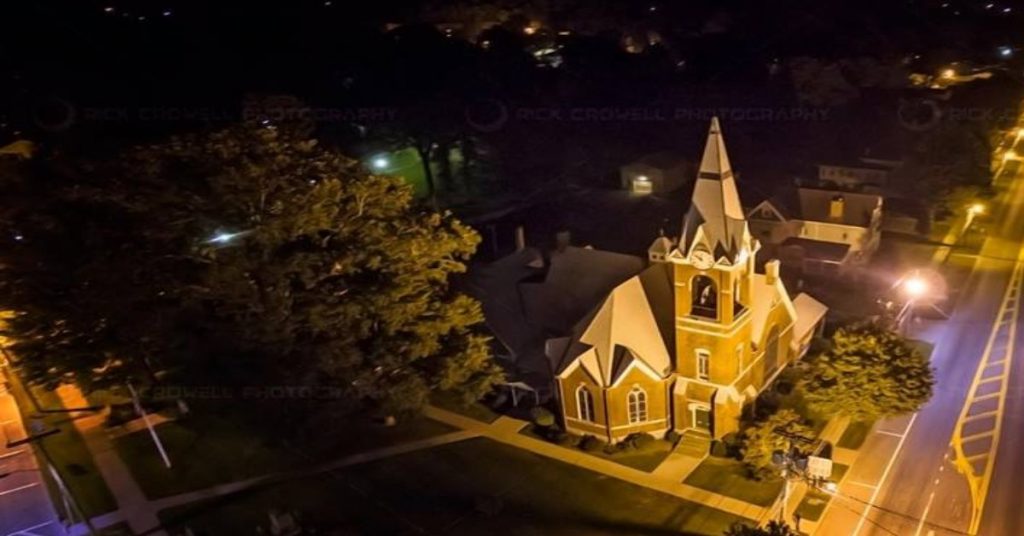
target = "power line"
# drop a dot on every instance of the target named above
(895, 513)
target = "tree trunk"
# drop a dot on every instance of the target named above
(428, 174)
(444, 165)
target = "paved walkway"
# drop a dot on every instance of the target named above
(677, 466)
(689, 452)
(506, 430)
(119, 479)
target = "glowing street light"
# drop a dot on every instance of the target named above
(949, 74)
(380, 163)
(225, 238)
(976, 209)
(1010, 155)
(915, 287)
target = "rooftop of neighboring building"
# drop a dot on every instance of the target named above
(819, 249)
(858, 207)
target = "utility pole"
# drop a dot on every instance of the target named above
(787, 462)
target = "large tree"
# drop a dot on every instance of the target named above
(762, 439)
(869, 372)
(253, 256)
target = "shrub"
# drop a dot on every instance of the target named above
(719, 449)
(590, 443)
(639, 440)
(565, 439)
(542, 417)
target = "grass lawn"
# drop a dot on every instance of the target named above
(207, 449)
(855, 434)
(451, 402)
(69, 454)
(471, 487)
(645, 460)
(729, 477)
(815, 501)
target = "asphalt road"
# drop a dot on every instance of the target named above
(906, 468)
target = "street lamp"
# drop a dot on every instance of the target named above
(224, 238)
(949, 74)
(380, 163)
(975, 209)
(915, 288)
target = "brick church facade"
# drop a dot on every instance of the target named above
(689, 340)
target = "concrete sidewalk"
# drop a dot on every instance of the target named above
(132, 504)
(506, 430)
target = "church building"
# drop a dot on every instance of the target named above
(692, 338)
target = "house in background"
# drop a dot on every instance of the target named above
(864, 174)
(685, 343)
(656, 173)
(820, 231)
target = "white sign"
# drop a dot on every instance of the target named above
(819, 467)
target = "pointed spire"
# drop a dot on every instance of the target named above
(715, 164)
(716, 203)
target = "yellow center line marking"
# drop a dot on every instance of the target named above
(1004, 327)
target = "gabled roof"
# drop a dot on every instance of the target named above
(857, 210)
(809, 312)
(819, 249)
(622, 329)
(715, 206)
(766, 296)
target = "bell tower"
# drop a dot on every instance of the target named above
(712, 272)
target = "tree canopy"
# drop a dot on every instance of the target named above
(762, 439)
(869, 372)
(773, 528)
(248, 256)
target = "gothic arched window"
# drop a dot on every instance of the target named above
(584, 404)
(705, 297)
(637, 405)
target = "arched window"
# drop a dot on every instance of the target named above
(637, 405)
(584, 404)
(705, 297)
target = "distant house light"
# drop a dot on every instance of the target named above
(1005, 52)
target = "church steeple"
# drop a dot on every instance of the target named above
(715, 218)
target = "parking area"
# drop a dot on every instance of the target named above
(25, 507)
